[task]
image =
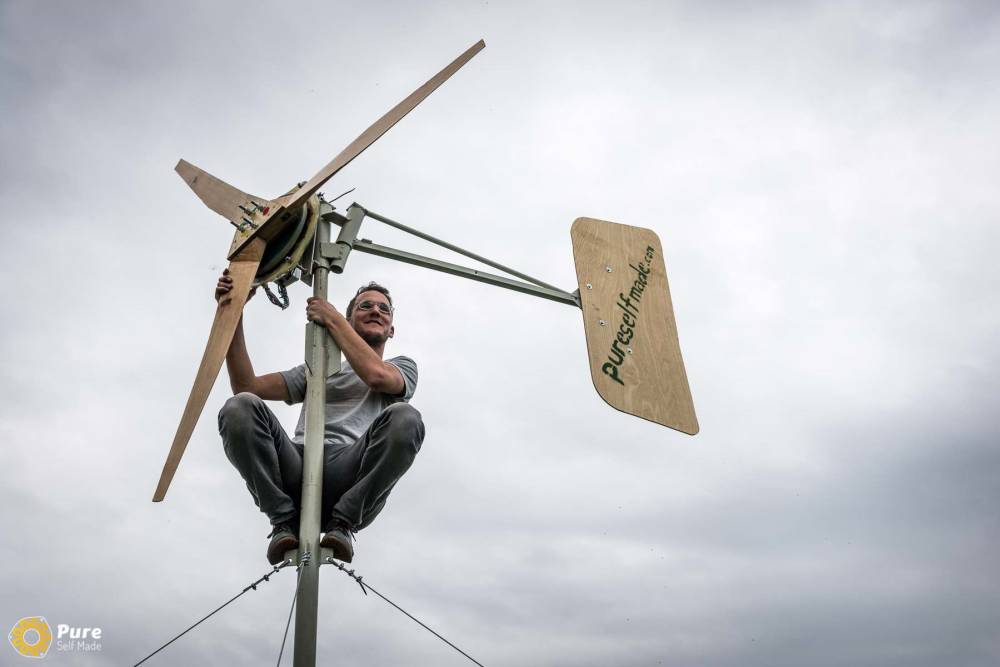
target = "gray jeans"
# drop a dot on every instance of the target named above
(357, 478)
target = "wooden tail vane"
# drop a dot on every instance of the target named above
(635, 355)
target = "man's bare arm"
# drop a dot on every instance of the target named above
(270, 387)
(378, 374)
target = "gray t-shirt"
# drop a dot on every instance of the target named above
(351, 405)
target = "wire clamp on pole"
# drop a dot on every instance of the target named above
(350, 573)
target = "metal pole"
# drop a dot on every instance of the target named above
(318, 342)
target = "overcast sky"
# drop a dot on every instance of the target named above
(823, 177)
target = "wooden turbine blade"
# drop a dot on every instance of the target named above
(280, 210)
(380, 127)
(227, 316)
(218, 195)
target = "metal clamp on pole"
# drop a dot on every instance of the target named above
(338, 252)
(329, 213)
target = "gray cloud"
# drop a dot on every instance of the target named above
(822, 179)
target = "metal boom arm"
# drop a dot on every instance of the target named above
(348, 240)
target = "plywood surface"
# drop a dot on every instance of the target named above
(380, 127)
(288, 205)
(628, 317)
(227, 315)
(218, 195)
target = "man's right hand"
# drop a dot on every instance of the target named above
(224, 286)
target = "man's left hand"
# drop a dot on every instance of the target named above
(320, 311)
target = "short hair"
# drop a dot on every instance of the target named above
(370, 287)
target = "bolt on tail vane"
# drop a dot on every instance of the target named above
(260, 222)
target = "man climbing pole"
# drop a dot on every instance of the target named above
(372, 434)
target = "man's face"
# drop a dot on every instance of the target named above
(374, 326)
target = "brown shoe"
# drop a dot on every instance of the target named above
(338, 537)
(283, 539)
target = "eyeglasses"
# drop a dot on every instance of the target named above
(368, 305)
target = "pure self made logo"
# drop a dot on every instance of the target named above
(32, 637)
(627, 329)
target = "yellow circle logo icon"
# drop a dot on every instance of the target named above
(31, 637)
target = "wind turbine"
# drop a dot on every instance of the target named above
(632, 342)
